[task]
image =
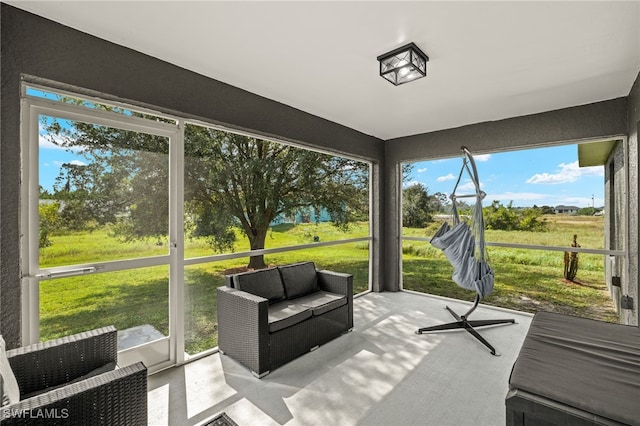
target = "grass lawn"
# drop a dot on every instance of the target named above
(139, 296)
(525, 279)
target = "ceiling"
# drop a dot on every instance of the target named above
(488, 60)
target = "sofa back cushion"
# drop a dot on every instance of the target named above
(299, 279)
(265, 283)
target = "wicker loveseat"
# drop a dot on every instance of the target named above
(269, 317)
(74, 381)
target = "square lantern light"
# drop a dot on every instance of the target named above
(404, 64)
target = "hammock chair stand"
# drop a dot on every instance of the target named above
(463, 323)
(482, 281)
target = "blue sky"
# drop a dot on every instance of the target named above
(543, 176)
(50, 161)
(52, 157)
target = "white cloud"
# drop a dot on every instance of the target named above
(422, 170)
(44, 141)
(469, 186)
(567, 173)
(47, 140)
(523, 199)
(73, 162)
(583, 201)
(516, 196)
(446, 178)
(411, 183)
(482, 157)
(592, 171)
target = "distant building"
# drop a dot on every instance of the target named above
(566, 209)
(307, 216)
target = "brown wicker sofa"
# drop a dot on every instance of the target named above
(74, 380)
(271, 316)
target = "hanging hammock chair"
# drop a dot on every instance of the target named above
(464, 246)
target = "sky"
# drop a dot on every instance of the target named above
(52, 157)
(543, 177)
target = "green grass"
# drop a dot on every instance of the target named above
(139, 296)
(526, 280)
(123, 298)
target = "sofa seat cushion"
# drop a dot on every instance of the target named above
(587, 364)
(265, 283)
(299, 279)
(322, 301)
(285, 314)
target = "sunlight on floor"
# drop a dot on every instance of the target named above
(380, 373)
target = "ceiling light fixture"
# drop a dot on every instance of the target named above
(404, 64)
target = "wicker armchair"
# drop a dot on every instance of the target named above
(74, 381)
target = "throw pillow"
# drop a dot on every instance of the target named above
(10, 391)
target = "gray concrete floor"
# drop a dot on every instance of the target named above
(138, 335)
(381, 373)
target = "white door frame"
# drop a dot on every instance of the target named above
(157, 354)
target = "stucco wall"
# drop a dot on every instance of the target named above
(633, 317)
(35, 46)
(616, 213)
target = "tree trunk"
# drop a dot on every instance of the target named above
(256, 240)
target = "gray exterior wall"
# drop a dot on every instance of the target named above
(602, 120)
(633, 317)
(34, 46)
(615, 194)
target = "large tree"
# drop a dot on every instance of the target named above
(230, 180)
(253, 181)
(416, 206)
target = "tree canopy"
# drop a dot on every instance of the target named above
(418, 206)
(230, 181)
(235, 178)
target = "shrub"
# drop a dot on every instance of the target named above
(50, 222)
(587, 211)
(508, 218)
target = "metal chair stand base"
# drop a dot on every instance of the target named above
(463, 323)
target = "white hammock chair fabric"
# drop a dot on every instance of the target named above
(464, 246)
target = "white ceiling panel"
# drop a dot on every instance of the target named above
(488, 60)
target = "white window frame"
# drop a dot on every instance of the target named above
(31, 108)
